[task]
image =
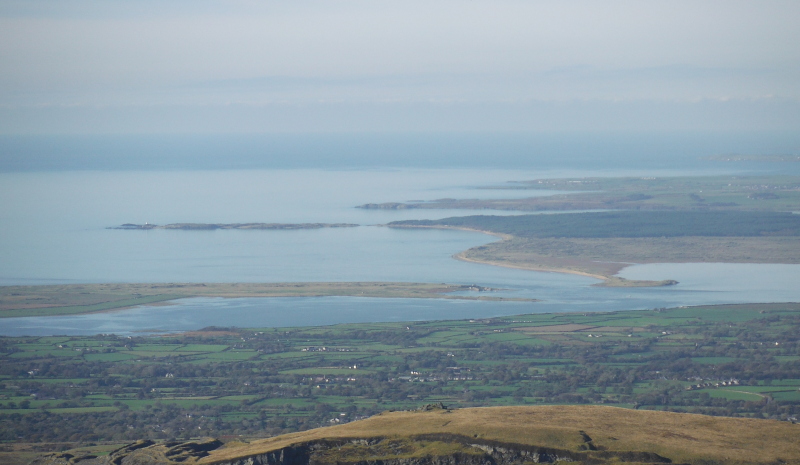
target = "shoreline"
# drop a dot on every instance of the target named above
(606, 280)
(462, 257)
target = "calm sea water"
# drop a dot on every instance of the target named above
(57, 196)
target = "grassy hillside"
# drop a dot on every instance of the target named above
(681, 438)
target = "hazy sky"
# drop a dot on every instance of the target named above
(242, 66)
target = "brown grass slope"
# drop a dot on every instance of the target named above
(682, 438)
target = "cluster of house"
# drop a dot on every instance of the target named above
(455, 375)
(79, 349)
(326, 382)
(730, 382)
(346, 418)
(326, 349)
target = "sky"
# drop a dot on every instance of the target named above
(184, 66)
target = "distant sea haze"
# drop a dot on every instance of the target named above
(551, 151)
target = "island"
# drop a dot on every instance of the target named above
(213, 226)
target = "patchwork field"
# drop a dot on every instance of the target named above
(732, 360)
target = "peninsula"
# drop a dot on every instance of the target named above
(727, 219)
(691, 228)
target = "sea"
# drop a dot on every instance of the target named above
(60, 194)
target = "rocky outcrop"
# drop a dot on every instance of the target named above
(143, 452)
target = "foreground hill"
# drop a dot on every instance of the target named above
(497, 436)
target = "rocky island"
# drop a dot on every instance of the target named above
(212, 226)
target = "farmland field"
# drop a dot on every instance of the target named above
(730, 360)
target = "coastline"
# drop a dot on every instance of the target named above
(606, 280)
(545, 269)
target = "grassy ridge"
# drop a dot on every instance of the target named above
(679, 437)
